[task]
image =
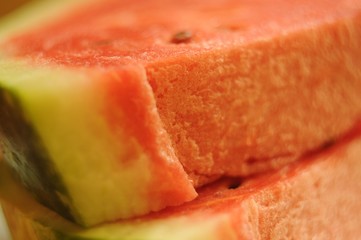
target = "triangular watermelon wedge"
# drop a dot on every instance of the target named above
(124, 107)
(130, 154)
(316, 197)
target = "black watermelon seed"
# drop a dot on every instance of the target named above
(182, 37)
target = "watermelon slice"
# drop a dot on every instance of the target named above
(130, 153)
(114, 109)
(312, 198)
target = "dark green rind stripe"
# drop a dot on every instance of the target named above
(24, 151)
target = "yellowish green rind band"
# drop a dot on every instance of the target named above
(218, 226)
(65, 110)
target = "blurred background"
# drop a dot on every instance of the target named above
(6, 6)
(4, 233)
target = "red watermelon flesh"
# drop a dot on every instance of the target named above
(316, 197)
(255, 85)
(239, 87)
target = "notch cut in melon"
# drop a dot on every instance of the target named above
(307, 199)
(256, 85)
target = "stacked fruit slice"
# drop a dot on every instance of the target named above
(114, 110)
(307, 199)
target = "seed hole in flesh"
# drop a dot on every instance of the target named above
(182, 37)
(234, 184)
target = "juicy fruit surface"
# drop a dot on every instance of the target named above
(224, 93)
(308, 198)
(123, 35)
(217, 99)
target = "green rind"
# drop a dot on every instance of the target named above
(176, 228)
(19, 81)
(20, 202)
(190, 227)
(28, 215)
(25, 153)
(36, 97)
